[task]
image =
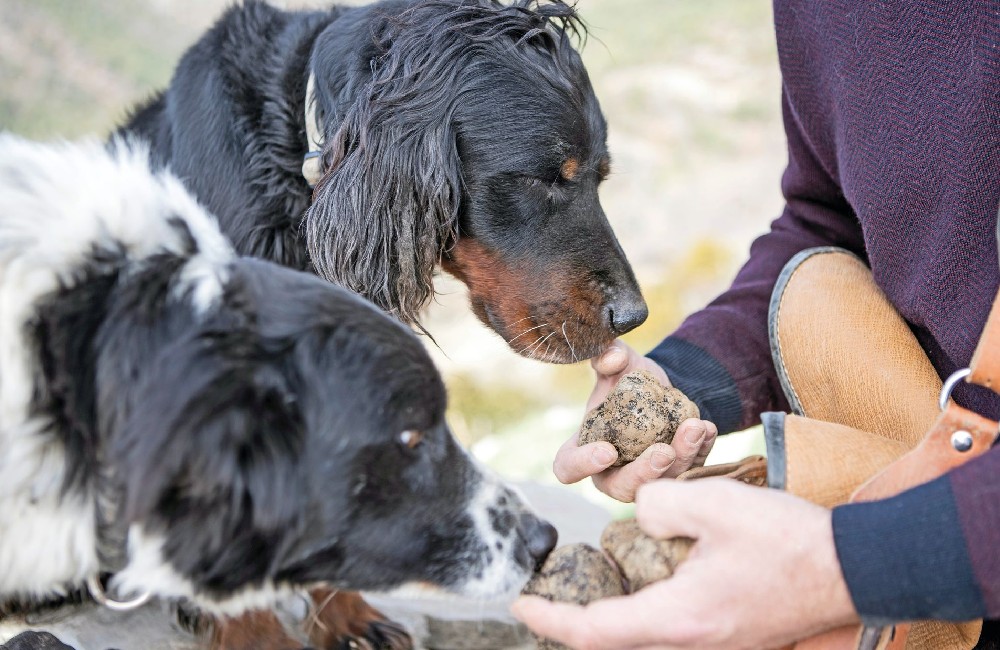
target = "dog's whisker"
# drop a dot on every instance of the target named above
(539, 344)
(548, 349)
(520, 320)
(565, 336)
(527, 349)
(525, 332)
(530, 345)
(547, 337)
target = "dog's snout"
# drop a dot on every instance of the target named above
(540, 537)
(625, 313)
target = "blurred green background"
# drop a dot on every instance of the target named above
(691, 92)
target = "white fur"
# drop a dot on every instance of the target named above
(502, 574)
(148, 571)
(56, 203)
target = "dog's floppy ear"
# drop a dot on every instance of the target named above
(388, 205)
(214, 429)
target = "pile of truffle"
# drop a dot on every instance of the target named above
(630, 560)
(637, 413)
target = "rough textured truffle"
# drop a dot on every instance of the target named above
(642, 559)
(638, 412)
(577, 573)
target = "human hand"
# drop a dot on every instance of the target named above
(690, 447)
(763, 572)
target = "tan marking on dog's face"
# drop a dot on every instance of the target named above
(570, 168)
(544, 310)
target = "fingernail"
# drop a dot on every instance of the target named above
(603, 456)
(695, 435)
(660, 461)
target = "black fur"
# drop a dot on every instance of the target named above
(260, 440)
(446, 121)
(253, 427)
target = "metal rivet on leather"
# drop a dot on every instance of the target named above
(961, 440)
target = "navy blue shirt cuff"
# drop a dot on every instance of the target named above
(905, 558)
(703, 379)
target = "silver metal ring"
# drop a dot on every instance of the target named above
(949, 386)
(96, 590)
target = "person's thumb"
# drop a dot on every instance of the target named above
(613, 360)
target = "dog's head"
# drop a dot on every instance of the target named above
(467, 132)
(295, 435)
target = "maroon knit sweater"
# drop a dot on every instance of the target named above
(892, 113)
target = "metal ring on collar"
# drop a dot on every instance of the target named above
(949, 386)
(96, 590)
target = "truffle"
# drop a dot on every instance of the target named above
(577, 573)
(641, 558)
(638, 412)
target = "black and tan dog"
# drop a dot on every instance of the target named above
(215, 428)
(464, 132)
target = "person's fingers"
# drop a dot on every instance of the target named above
(688, 444)
(552, 620)
(602, 386)
(666, 509)
(621, 483)
(598, 626)
(613, 360)
(574, 463)
(711, 435)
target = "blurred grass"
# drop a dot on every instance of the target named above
(632, 32)
(69, 69)
(116, 35)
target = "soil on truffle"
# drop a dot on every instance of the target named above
(642, 559)
(576, 573)
(638, 412)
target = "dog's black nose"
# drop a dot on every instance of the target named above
(540, 536)
(626, 313)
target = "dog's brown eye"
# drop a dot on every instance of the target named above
(411, 438)
(569, 169)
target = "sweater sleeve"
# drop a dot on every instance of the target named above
(929, 553)
(720, 356)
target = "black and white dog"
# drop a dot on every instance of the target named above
(213, 428)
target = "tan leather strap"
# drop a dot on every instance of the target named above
(985, 364)
(752, 470)
(943, 449)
